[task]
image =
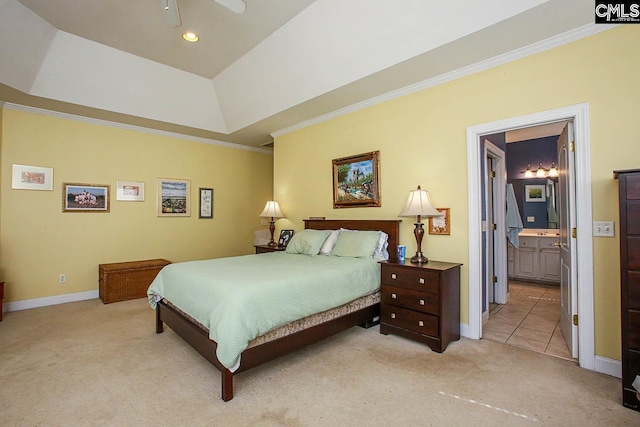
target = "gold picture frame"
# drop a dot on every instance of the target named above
(356, 181)
(440, 224)
(85, 197)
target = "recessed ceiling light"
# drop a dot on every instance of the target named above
(190, 37)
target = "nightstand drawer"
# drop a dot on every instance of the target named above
(408, 319)
(411, 278)
(407, 298)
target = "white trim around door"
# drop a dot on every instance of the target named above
(580, 116)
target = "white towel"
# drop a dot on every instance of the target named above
(514, 221)
(552, 216)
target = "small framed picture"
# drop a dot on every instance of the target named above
(285, 236)
(32, 178)
(440, 224)
(130, 191)
(85, 197)
(174, 197)
(534, 193)
(206, 202)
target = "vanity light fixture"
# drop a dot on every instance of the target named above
(541, 172)
(190, 37)
(528, 173)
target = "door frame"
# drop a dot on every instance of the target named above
(579, 114)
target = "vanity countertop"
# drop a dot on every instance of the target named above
(539, 232)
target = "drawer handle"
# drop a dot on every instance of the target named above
(421, 281)
(393, 296)
(421, 302)
(420, 323)
(393, 315)
(393, 275)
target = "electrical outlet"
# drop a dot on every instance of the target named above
(62, 278)
(603, 229)
(264, 222)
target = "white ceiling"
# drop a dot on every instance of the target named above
(280, 63)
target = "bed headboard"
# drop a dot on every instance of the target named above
(391, 227)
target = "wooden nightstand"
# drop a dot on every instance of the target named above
(263, 249)
(421, 302)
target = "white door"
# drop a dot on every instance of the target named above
(490, 232)
(567, 227)
(496, 206)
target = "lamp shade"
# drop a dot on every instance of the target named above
(272, 210)
(420, 204)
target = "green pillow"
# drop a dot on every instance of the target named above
(307, 242)
(356, 244)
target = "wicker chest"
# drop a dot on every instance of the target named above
(122, 281)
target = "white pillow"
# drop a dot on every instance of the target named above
(381, 253)
(328, 244)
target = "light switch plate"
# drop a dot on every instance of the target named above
(531, 219)
(603, 229)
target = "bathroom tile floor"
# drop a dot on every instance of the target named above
(530, 320)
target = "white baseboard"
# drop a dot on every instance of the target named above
(46, 301)
(464, 330)
(612, 367)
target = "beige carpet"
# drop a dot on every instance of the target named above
(91, 364)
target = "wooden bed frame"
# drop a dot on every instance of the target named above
(257, 355)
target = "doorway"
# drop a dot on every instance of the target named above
(578, 114)
(527, 312)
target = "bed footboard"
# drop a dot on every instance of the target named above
(254, 356)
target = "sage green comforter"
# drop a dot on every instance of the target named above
(241, 298)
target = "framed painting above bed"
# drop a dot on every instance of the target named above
(356, 181)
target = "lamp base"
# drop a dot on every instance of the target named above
(419, 258)
(272, 227)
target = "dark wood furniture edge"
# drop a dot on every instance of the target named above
(254, 356)
(1, 298)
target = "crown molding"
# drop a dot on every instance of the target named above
(108, 123)
(523, 52)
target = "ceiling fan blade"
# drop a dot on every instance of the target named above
(237, 6)
(171, 13)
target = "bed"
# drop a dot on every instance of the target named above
(364, 311)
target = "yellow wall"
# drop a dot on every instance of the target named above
(422, 141)
(39, 241)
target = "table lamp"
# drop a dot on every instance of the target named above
(419, 205)
(272, 210)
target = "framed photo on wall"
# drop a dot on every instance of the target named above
(440, 224)
(130, 191)
(32, 178)
(206, 203)
(534, 193)
(356, 181)
(174, 197)
(85, 197)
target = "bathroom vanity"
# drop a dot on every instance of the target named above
(537, 257)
